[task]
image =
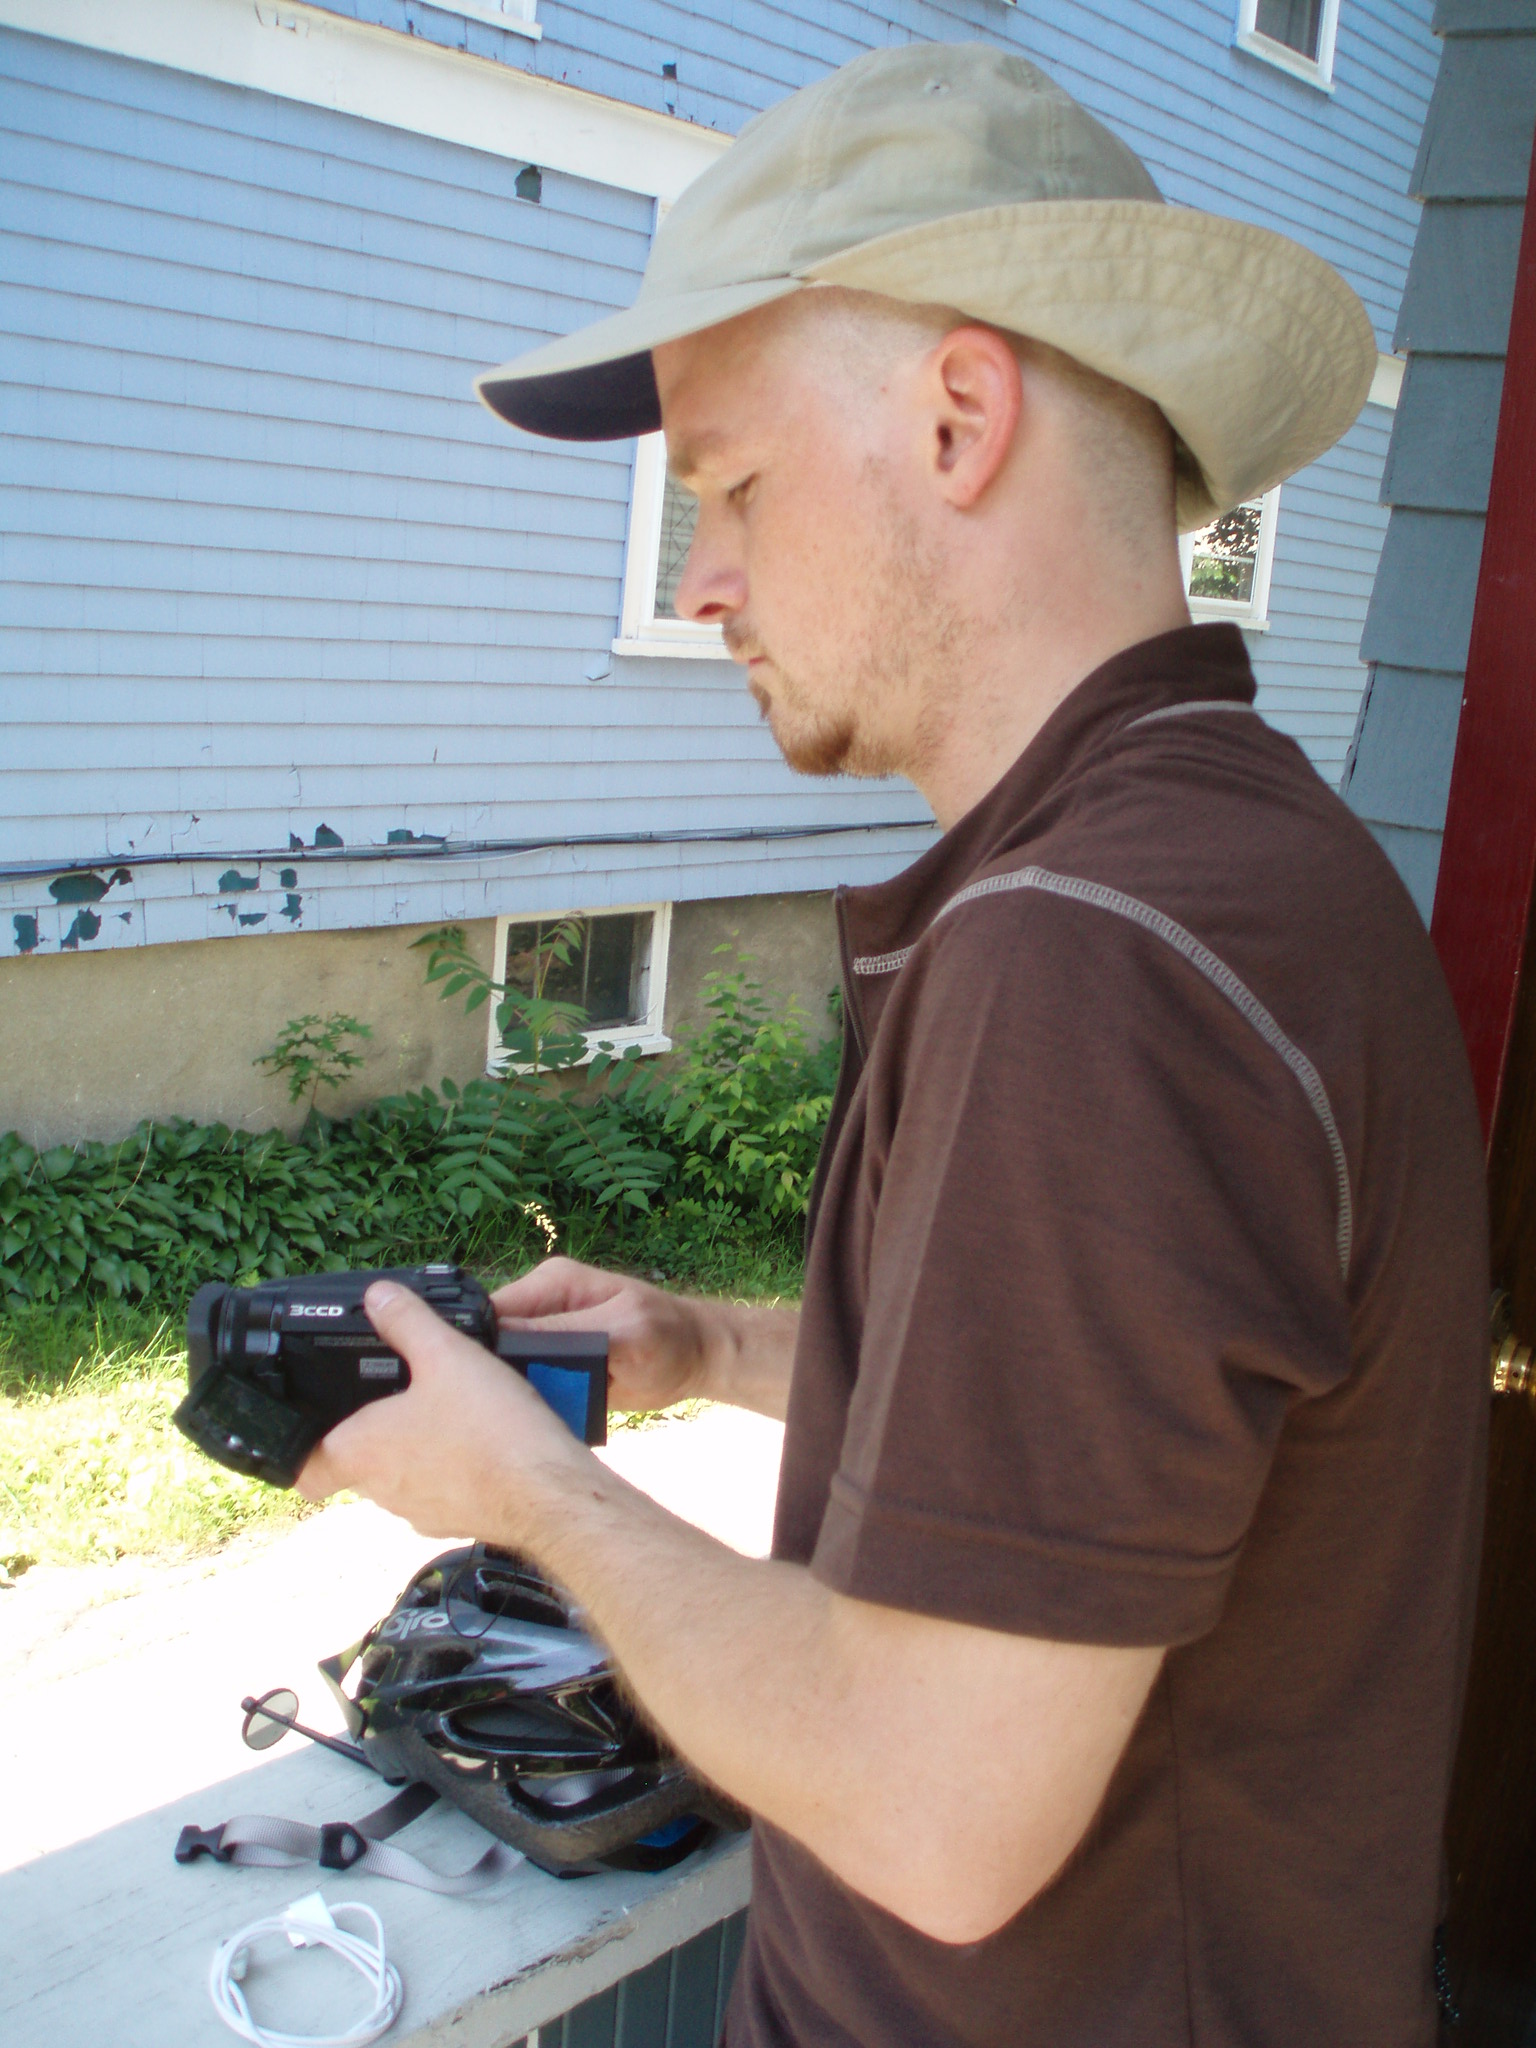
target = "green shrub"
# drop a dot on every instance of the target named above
(311, 1053)
(618, 1161)
(745, 1110)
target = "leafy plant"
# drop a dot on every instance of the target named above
(541, 1033)
(519, 1136)
(701, 1169)
(750, 1101)
(312, 1053)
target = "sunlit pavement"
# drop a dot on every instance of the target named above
(120, 1685)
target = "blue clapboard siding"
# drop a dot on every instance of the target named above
(268, 572)
(1324, 566)
(1326, 549)
(268, 568)
(1471, 174)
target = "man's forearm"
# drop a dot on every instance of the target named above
(749, 1354)
(737, 1660)
(817, 1712)
(814, 1709)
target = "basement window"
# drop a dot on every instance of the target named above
(1227, 564)
(615, 971)
(661, 521)
(1296, 35)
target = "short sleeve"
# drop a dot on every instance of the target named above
(1103, 1267)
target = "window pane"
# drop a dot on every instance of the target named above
(1292, 22)
(1225, 554)
(518, 967)
(679, 512)
(604, 974)
(616, 950)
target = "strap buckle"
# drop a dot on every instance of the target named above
(341, 1845)
(194, 1842)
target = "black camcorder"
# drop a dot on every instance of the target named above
(271, 1368)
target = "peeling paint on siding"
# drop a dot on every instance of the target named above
(86, 925)
(232, 880)
(26, 932)
(85, 885)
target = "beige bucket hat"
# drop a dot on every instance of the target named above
(959, 175)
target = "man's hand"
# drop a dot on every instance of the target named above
(658, 1344)
(661, 1347)
(467, 1449)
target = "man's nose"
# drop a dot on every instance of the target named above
(713, 586)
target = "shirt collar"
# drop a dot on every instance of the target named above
(1192, 664)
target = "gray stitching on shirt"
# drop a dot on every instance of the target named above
(883, 963)
(1220, 976)
(1184, 710)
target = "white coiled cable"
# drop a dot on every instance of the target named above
(309, 1923)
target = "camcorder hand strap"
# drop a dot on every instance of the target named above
(264, 1839)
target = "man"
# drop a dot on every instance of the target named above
(1102, 1689)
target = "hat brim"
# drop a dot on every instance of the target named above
(1257, 352)
(598, 384)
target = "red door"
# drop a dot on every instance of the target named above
(1483, 929)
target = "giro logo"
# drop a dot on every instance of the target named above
(415, 1621)
(316, 1308)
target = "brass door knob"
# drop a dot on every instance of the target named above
(1512, 1367)
(1511, 1361)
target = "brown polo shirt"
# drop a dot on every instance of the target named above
(1146, 1303)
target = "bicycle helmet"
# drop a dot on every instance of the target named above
(482, 1682)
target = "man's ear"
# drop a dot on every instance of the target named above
(977, 393)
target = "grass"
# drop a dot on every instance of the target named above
(92, 1469)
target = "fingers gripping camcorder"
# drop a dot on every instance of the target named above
(271, 1369)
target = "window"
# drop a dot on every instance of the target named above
(661, 516)
(517, 15)
(1227, 564)
(1298, 35)
(616, 972)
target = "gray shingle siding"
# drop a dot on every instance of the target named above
(1477, 134)
(1461, 280)
(1441, 458)
(1471, 175)
(1421, 608)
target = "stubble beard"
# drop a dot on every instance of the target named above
(817, 746)
(902, 643)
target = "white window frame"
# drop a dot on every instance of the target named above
(648, 1035)
(520, 16)
(640, 630)
(1317, 70)
(1252, 612)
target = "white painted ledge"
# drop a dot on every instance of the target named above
(109, 1939)
(689, 650)
(1305, 68)
(307, 54)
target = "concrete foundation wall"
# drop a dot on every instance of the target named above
(92, 1043)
